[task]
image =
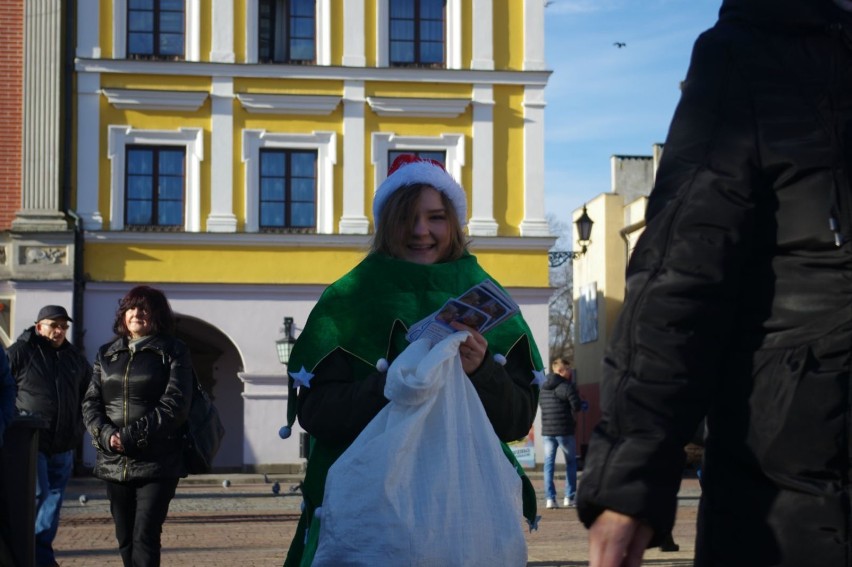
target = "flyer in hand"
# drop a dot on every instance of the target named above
(482, 307)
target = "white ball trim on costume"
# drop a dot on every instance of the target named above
(428, 174)
(382, 365)
(500, 359)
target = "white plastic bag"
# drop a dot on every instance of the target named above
(426, 483)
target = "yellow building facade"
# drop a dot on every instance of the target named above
(599, 274)
(227, 152)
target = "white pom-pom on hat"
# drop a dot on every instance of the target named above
(409, 169)
(500, 359)
(382, 365)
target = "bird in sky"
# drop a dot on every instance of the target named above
(620, 44)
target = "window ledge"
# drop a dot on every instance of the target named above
(154, 100)
(288, 104)
(418, 107)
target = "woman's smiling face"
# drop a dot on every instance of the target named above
(428, 240)
(138, 322)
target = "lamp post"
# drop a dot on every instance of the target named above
(584, 232)
(284, 345)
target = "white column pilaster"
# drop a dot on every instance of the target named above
(353, 220)
(222, 50)
(222, 217)
(88, 27)
(482, 221)
(41, 192)
(354, 31)
(88, 149)
(483, 35)
(534, 35)
(534, 223)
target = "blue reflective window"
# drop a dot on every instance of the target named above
(156, 29)
(417, 32)
(286, 31)
(288, 189)
(154, 187)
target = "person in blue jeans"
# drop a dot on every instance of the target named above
(51, 376)
(559, 400)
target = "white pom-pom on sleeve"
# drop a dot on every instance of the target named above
(500, 359)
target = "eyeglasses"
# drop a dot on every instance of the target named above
(54, 325)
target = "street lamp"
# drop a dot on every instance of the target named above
(584, 232)
(284, 345)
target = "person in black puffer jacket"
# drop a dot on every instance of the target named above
(739, 306)
(559, 400)
(135, 409)
(51, 377)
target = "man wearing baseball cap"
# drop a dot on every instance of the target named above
(52, 377)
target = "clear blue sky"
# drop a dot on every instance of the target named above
(603, 100)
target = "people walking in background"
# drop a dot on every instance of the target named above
(51, 377)
(738, 306)
(418, 261)
(135, 409)
(559, 400)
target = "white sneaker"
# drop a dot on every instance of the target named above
(551, 504)
(569, 502)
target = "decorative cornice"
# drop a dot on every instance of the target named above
(295, 72)
(230, 239)
(288, 104)
(136, 99)
(512, 243)
(357, 241)
(418, 107)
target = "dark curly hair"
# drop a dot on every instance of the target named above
(153, 302)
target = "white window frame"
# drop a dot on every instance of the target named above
(454, 35)
(383, 142)
(192, 30)
(191, 139)
(323, 31)
(324, 143)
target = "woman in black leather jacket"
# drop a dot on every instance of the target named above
(134, 409)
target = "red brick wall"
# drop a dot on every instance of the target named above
(11, 120)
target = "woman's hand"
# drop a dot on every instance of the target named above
(473, 350)
(616, 540)
(115, 443)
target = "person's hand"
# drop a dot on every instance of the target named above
(115, 443)
(617, 540)
(472, 350)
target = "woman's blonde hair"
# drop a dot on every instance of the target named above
(397, 218)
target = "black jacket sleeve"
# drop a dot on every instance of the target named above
(507, 392)
(567, 392)
(682, 285)
(99, 426)
(337, 407)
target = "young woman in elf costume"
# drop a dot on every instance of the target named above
(418, 261)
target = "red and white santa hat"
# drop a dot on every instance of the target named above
(408, 169)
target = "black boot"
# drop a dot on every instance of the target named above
(669, 544)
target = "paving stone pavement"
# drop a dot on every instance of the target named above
(248, 525)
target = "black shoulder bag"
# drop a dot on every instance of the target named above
(204, 431)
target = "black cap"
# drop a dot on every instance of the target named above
(53, 312)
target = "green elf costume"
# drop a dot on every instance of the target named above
(340, 360)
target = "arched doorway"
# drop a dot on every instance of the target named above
(217, 362)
